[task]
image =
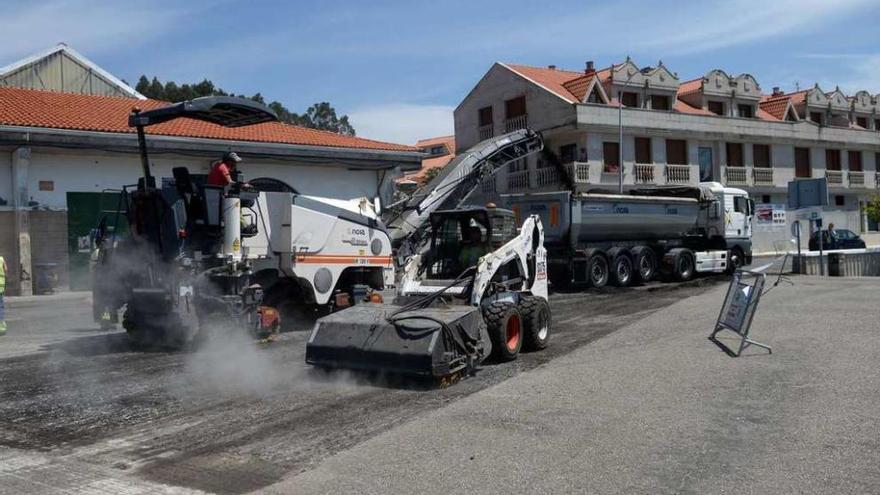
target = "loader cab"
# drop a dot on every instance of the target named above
(460, 237)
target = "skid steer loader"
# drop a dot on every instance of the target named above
(449, 315)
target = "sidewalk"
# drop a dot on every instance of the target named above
(657, 408)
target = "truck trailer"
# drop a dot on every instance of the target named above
(597, 238)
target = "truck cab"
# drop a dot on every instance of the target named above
(732, 220)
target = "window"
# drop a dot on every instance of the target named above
(832, 159)
(611, 156)
(745, 111)
(816, 117)
(765, 198)
(734, 154)
(839, 200)
(855, 161)
(517, 165)
(660, 102)
(862, 122)
(877, 125)
(740, 204)
(643, 150)
(761, 156)
(485, 116)
(568, 153)
(802, 166)
(716, 107)
(676, 152)
(437, 150)
(630, 99)
(515, 107)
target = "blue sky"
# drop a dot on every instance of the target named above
(398, 68)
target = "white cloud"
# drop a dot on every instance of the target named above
(90, 26)
(712, 26)
(402, 122)
(862, 73)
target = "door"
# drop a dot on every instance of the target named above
(84, 212)
(705, 157)
(737, 216)
(802, 162)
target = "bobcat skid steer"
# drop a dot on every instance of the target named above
(477, 288)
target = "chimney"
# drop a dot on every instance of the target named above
(551, 67)
(590, 69)
(776, 91)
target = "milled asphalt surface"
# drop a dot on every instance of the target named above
(657, 408)
(82, 411)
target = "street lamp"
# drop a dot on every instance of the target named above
(620, 130)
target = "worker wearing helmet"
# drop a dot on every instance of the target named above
(472, 248)
(224, 171)
(3, 269)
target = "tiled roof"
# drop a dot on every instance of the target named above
(578, 86)
(435, 161)
(552, 79)
(32, 108)
(775, 105)
(682, 107)
(448, 141)
(689, 87)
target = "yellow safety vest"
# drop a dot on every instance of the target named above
(2, 275)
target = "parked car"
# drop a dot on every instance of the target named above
(842, 239)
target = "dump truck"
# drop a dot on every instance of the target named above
(470, 284)
(596, 238)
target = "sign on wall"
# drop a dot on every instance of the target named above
(770, 216)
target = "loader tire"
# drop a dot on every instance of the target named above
(536, 322)
(504, 324)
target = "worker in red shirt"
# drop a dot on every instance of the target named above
(222, 172)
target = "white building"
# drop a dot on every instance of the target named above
(717, 127)
(61, 151)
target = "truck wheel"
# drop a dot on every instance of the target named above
(683, 265)
(735, 260)
(621, 268)
(645, 263)
(597, 270)
(536, 322)
(505, 327)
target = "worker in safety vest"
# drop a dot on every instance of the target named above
(2, 291)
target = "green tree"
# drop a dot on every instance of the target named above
(872, 209)
(321, 115)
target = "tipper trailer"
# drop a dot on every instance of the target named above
(599, 238)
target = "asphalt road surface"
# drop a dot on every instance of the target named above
(80, 410)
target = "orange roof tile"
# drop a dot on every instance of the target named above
(578, 86)
(775, 105)
(448, 141)
(435, 161)
(689, 87)
(682, 107)
(33, 108)
(552, 79)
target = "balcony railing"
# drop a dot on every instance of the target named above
(678, 174)
(518, 181)
(835, 177)
(515, 123)
(856, 179)
(546, 176)
(763, 176)
(580, 172)
(486, 131)
(737, 176)
(644, 173)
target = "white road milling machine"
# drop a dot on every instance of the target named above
(471, 284)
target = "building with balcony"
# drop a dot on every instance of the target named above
(718, 127)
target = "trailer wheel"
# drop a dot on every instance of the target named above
(621, 267)
(536, 321)
(505, 327)
(683, 264)
(645, 263)
(597, 270)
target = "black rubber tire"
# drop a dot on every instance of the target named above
(683, 265)
(537, 321)
(621, 270)
(505, 328)
(597, 270)
(644, 263)
(735, 260)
